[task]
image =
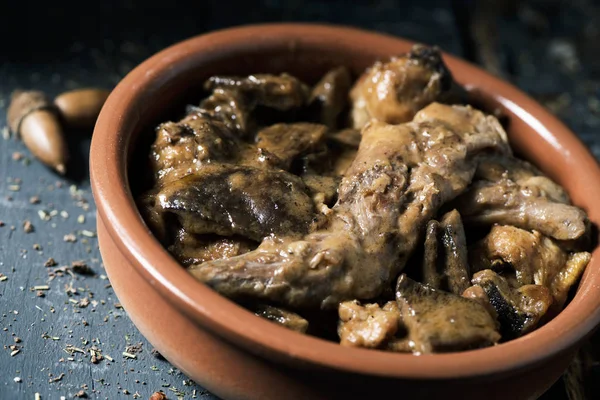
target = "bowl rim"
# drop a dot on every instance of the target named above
(222, 316)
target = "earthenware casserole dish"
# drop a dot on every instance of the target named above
(235, 354)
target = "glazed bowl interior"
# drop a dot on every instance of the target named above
(160, 87)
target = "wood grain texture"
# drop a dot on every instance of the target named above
(70, 46)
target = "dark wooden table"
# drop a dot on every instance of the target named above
(550, 49)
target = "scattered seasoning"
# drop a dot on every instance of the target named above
(80, 267)
(136, 395)
(3, 277)
(70, 238)
(158, 396)
(81, 219)
(14, 352)
(40, 293)
(17, 156)
(41, 287)
(118, 305)
(37, 396)
(1, 224)
(14, 188)
(81, 394)
(37, 246)
(177, 392)
(83, 303)
(85, 323)
(44, 216)
(46, 336)
(28, 226)
(129, 355)
(70, 349)
(87, 233)
(17, 379)
(50, 262)
(134, 348)
(34, 200)
(17, 339)
(56, 379)
(109, 358)
(64, 214)
(125, 391)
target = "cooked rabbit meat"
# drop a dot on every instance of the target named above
(228, 199)
(367, 325)
(524, 174)
(510, 193)
(535, 259)
(438, 321)
(281, 92)
(396, 90)
(568, 276)
(282, 317)
(314, 199)
(181, 148)
(445, 263)
(400, 177)
(518, 310)
(329, 97)
(285, 142)
(192, 249)
(227, 106)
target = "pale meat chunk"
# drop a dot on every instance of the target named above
(396, 90)
(283, 317)
(367, 325)
(438, 321)
(512, 192)
(535, 259)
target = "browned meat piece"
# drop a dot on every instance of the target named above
(146, 204)
(438, 321)
(518, 310)
(445, 263)
(524, 174)
(330, 95)
(227, 106)
(394, 91)
(284, 142)
(182, 148)
(280, 92)
(192, 249)
(568, 276)
(535, 259)
(282, 317)
(509, 192)
(400, 177)
(367, 325)
(228, 199)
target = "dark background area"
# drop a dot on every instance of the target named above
(551, 49)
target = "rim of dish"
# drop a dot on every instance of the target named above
(229, 320)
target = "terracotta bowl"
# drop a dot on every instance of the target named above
(236, 355)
